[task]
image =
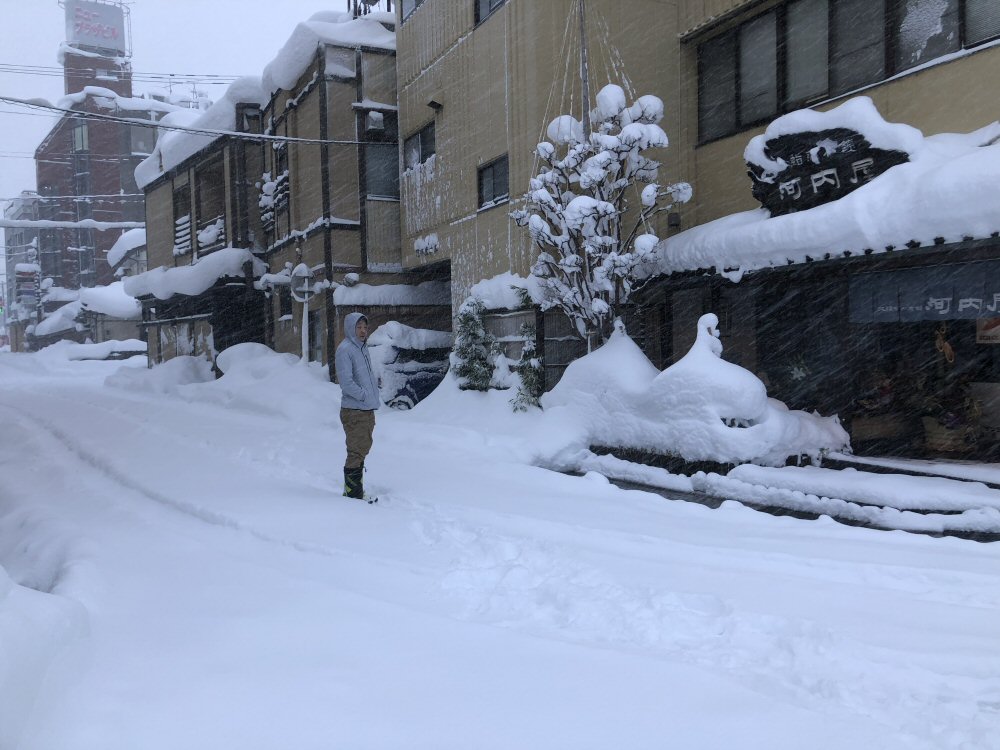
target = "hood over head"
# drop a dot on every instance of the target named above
(350, 323)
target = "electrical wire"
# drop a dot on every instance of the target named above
(159, 125)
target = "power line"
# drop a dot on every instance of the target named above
(59, 71)
(255, 137)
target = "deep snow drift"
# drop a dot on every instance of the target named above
(179, 570)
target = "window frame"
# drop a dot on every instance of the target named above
(389, 149)
(492, 6)
(892, 17)
(426, 134)
(490, 167)
(404, 14)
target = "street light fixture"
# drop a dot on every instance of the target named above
(302, 290)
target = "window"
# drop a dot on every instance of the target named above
(419, 147)
(81, 138)
(927, 29)
(408, 6)
(182, 219)
(143, 140)
(316, 334)
(982, 20)
(210, 209)
(807, 23)
(485, 7)
(493, 183)
(857, 56)
(284, 301)
(717, 87)
(382, 127)
(804, 51)
(758, 68)
(382, 170)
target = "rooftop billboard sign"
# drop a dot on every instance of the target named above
(95, 24)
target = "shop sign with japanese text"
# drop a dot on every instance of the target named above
(819, 167)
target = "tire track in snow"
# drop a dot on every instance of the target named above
(108, 470)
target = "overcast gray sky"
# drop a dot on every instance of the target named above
(225, 37)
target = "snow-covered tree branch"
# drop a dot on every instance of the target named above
(576, 206)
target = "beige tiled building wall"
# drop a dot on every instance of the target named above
(495, 87)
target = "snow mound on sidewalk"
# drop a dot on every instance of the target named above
(702, 408)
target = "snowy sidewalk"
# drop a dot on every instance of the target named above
(924, 504)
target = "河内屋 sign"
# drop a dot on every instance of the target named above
(818, 167)
(93, 24)
(968, 291)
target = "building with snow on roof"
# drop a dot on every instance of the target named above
(843, 155)
(300, 166)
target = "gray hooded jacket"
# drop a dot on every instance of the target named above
(358, 384)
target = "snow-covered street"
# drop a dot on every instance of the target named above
(181, 571)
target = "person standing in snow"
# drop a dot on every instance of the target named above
(358, 401)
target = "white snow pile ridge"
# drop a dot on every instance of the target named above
(946, 191)
(255, 378)
(164, 283)
(38, 626)
(507, 290)
(702, 408)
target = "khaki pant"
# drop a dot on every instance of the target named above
(359, 425)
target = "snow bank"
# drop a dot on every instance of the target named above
(70, 351)
(701, 408)
(505, 292)
(38, 627)
(164, 378)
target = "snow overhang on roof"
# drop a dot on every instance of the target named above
(333, 28)
(126, 245)
(175, 146)
(164, 283)
(945, 193)
(427, 293)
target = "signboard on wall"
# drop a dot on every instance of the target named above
(967, 291)
(819, 167)
(94, 24)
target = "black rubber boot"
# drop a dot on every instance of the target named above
(354, 484)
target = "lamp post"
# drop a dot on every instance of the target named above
(302, 291)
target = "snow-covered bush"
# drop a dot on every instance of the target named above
(576, 208)
(530, 374)
(473, 359)
(702, 408)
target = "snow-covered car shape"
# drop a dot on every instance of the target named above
(410, 361)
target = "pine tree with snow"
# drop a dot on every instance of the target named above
(475, 348)
(529, 371)
(577, 206)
